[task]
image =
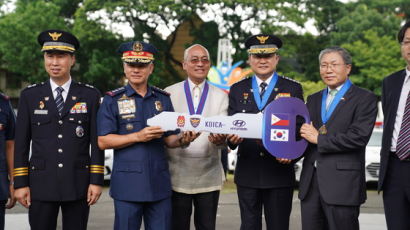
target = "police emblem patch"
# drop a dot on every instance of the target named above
(129, 127)
(195, 121)
(181, 121)
(137, 46)
(79, 131)
(55, 35)
(41, 105)
(158, 106)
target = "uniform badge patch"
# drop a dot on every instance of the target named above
(129, 127)
(282, 95)
(158, 106)
(79, 107)
(41, 105)
(126, 105)
(79, 131)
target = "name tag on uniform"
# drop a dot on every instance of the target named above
(41, 111)
(79, 107)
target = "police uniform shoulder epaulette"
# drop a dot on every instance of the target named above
(160, 90)
(290, 79)
(114, 92)
(4, 96)
(86, 85)
(34, 85)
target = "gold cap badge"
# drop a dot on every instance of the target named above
(262, 39)
(137, 47)
(55, 35)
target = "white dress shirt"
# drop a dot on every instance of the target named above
(65, 86)
(400, 110)
(329, 97)
(259, 81)
(196, 92)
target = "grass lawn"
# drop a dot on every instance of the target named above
(229, 185)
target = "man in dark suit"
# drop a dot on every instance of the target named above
(262, 180)
(394, 178)
(57, 120)
(332, 183)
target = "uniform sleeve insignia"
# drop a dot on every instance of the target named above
(160, 90)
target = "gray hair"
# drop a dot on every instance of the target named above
(194, 45)
(341, 51)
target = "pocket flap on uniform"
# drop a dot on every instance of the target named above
(78, 118)
(129, 167)
(348, 165)
(37, 164)
(40, 120)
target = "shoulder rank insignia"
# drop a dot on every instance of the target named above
(160, 90)
(114, 92)
(4, 96)
(290, 79)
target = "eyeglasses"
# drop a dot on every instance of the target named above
(405, 43)
(195, 61)
(332, 66)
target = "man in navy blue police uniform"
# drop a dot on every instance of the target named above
(140, 181)
(262, 180)
(57, 119)
(7, 125)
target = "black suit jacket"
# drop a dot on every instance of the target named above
(256, 167)
(391, 89)
(340, 154)
(63, 162)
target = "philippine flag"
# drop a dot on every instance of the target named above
(280, 120)
(279, 135)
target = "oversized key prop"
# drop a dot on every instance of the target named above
(276, 126)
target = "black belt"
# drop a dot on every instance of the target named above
(394, 155)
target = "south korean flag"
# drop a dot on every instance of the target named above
(279, 135)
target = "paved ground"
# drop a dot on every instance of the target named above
(102, 214)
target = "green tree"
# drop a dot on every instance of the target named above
(19, 50)
(374, 58)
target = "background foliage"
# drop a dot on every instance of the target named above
(367, 28)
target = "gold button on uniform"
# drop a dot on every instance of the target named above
(261, 154)
(60, 136)
(60, 150)
(60, 122)
(60, 165)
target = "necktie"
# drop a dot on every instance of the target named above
(332, 93)
(59, 100)
(403, 141)
(263, 88)
(196, 93)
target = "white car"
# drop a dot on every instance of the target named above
(373, 156)
(109, 157)
(372, 163)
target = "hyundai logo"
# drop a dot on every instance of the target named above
(239, 123)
